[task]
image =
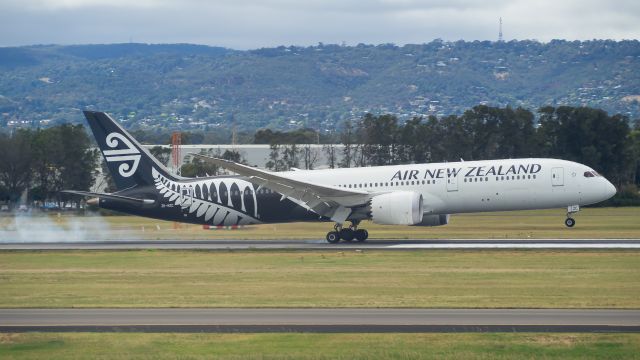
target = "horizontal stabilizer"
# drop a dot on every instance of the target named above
(110, 197)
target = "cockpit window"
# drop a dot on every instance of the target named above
(588, 174)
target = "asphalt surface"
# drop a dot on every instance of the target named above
(374, 244)
(319, 320)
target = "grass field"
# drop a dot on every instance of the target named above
(318, 346)
(603, 223)
(443, 278)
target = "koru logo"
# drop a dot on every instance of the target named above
(125, 169)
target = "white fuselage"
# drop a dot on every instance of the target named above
(476, 186)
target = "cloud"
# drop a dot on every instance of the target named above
(243, 24)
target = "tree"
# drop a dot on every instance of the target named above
(73, 164)
(16, 161)
(162, 153)
(235, 156)
(274, 163)
(348, 140)
(378, 139)
(330, 151)
(291, 156)
(197, 167)
(310, 156)
(589, 136)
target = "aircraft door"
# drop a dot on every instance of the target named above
(557, 176)
(452, 182)
(186, 196)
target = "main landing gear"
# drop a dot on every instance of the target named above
(569, 221)
(347, 234)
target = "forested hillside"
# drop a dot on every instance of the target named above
(193, 87)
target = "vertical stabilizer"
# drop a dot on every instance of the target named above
(129, 163)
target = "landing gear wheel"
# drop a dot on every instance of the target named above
(570, 222)
(346, 234)
(333, 237)
(361, 235)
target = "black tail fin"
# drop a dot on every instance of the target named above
(130, 164)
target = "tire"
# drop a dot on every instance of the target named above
(333, 237)
(346, 234)
(570, 222)
(361, 235)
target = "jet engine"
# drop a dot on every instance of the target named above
(434, 220)
(397, 208)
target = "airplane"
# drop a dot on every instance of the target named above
(414, 194)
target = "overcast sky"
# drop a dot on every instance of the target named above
(248, 24)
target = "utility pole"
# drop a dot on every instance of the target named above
(500, 31)
(176, 143)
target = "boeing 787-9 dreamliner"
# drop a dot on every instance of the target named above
(416, 194)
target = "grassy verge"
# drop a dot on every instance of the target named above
(443, 278)
(318, 346)
(591, 223)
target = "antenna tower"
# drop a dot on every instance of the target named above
(500, 31)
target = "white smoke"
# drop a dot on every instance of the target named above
(43, 228)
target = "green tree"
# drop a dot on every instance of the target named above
(162, 153)
(378, 139)
(348, 139)
(16, 162)
(197, 167)
(275, 163)
(588, 136)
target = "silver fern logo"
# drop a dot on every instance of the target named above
(129, 157)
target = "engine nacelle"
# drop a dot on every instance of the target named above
(397, 208)
(434, 220)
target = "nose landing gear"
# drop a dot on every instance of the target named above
(570, 222)
(572, 209)
(347, 234)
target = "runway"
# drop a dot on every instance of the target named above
(319, 320)
(320, 244)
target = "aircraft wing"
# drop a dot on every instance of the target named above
(330, 201)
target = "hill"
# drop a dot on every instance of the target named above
(168, 86)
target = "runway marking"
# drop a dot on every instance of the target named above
(312, 245)
(516, 246)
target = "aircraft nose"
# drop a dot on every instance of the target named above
(610, 189)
